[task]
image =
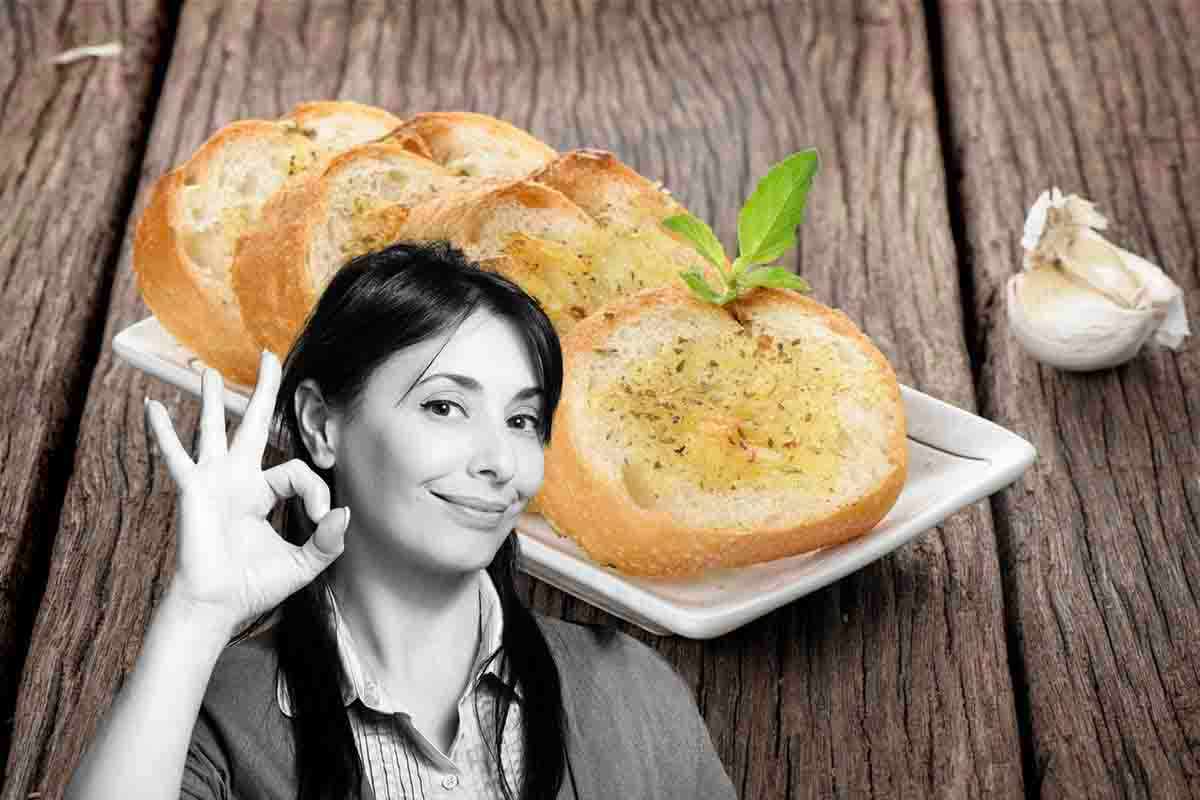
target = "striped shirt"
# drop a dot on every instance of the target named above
(399, 761)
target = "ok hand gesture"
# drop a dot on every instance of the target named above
(231, 564)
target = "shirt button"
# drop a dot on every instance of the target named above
(450, 781)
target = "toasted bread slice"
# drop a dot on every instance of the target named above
(185, 239)
(627, 250)
(477, 145)
(691, 436)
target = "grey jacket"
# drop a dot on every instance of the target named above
(635, 730)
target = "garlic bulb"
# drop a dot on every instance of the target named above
(1081, 303)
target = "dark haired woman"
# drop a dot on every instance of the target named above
(386, 653)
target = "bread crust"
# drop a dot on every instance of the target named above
(270, 274)
(464, 141)
(602, 517)
(606, 188)
(173, 286)
(311, 112)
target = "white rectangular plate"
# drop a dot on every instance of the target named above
(955, 459)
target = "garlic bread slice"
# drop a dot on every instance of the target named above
(692, 436)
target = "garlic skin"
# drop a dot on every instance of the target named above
(1082, 303)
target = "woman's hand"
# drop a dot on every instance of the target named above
(231, 565)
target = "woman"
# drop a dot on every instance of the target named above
(385, 652)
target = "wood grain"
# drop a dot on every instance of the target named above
(72, 138)
(1100, 539)
(892, 682)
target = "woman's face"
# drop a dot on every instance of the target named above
(411, 466)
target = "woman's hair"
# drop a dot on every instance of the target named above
(377, 304)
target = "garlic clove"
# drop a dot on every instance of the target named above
(1069, 326)
(1081, 302)
(1097, 263)
(1163, 296)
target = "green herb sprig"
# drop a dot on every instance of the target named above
(766, 230)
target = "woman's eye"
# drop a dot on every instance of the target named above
(440, 403)
(533, 421)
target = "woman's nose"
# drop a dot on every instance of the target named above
(493, 452)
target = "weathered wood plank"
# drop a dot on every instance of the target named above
(72, 136)
(1100, 541)
(894, 681)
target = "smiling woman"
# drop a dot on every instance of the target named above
(421, 459)
(387, 652)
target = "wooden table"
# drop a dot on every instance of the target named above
(1043, 642)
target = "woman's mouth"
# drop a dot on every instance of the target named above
(469, 515)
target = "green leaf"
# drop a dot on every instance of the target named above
(778, 277)
(701, 236)
(702, 290)
(740, 265)
(767, 222)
